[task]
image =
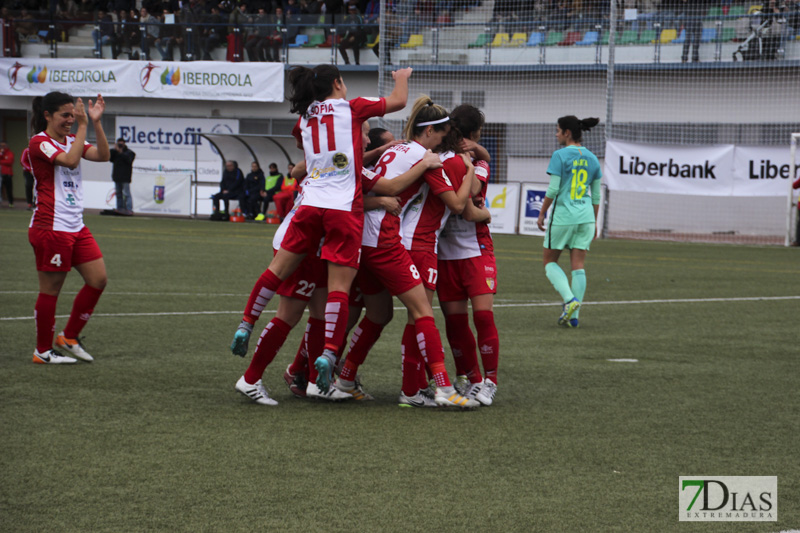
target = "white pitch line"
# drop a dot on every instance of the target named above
(527, 304)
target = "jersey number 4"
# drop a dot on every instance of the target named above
(326, 121)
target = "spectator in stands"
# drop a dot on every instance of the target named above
(151, 32)
(292, 8)
(237, 32)
(647, 12)
(105, 35)
(166, 37)
(213, 33)
(191, 15)
(372, 12)
(272, 185)
(231, 187)
(353, 35)
(10, 37)
(253, 189)
(130, 36)
(259, 38)
(692, 12)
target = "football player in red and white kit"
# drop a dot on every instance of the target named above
(468, 273)
(59, 238)
(329, 132)
(386, 270)
(427, 126)
(306, 286)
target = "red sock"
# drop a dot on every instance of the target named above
(262, 293)
(315, 343)
(300, 364)
(489, 342)
(336, 311)
(365, 335)
(412, 361)
(82, 309)
(44, 316)
(430, 346)
(270, 341)
(462, 344)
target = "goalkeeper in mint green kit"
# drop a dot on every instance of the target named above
(574, 193)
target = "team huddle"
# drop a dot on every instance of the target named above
(367, 227)
(376, 218)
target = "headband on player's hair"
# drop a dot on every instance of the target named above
(432, 122)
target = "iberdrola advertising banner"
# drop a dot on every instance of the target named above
(196, 80)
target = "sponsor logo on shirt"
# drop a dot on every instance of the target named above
(47, 149)
(340, 160)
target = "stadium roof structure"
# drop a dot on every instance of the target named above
(246, 146)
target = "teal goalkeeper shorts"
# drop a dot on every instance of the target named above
(573, 236)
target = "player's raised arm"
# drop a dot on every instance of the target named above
(100, 152)
(399, 97)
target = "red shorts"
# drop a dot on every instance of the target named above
(426, 263)
(462, 279)
(341, 229)
(387, 268)
(312, 273)
(58, 251)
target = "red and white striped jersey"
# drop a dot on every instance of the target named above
(59, 190)
(331, 138)
(424, 213)
(461, 239)
(382, 230)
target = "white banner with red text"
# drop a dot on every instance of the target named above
(195, 80)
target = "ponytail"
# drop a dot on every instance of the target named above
(577, 126)
(309, 85)
(424, 110)
(51, 102)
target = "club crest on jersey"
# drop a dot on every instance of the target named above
(415, 205)
(47, 149)
(490, 283)
(340, 160)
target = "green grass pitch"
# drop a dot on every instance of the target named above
(153, 437)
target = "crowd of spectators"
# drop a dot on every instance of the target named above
(580, 15)
(260, 27)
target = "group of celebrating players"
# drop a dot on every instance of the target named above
(376, 218)
(368, 227)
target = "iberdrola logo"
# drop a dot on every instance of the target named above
(13, 75)
(37, 75)
(149, 74)
(171, 77)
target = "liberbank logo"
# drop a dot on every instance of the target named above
(728, 498)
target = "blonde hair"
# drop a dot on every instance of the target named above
(424, 110)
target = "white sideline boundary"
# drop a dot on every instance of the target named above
(521, 304)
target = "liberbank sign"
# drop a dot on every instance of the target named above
(196, 80)
(713, 170)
